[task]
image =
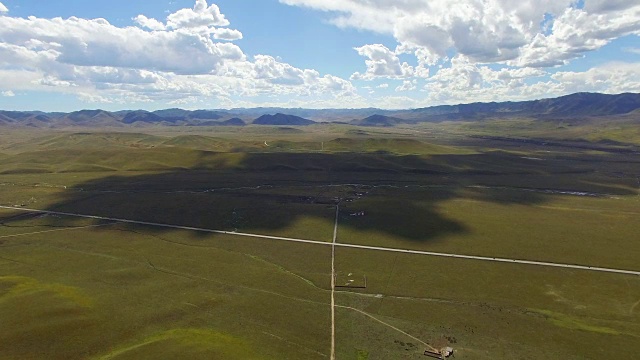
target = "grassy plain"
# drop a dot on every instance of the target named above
(75, 289)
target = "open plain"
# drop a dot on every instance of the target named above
(217, 243)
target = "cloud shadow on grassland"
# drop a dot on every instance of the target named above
(268, 192)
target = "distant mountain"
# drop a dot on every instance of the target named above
(83, 115)
(141, 116)
(5, 120)
(204, 114)
(88, 118)
(188, 114)
(575, 105)
(318, 115)
(172, 113)
(576, 108)
(37, 121)
(589, 104)
(230, 122)
(16, 116)
(233, 122)
(282, 119)
(378, 120)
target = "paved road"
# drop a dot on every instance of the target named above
(337, 244)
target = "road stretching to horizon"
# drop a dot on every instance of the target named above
(334, 244)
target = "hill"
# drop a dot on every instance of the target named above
(233, 122)
(577, 108)
(574, 105)
(141, 116)
(188, 117)
(282, 119)
(378, 120)
(88, 118)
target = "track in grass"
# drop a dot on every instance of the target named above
(334, 244)
(333, 285)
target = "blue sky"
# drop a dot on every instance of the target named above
(72, 54)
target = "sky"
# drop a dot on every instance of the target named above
(66, 55)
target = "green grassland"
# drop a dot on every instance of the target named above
(621, 130)
(116, 292)
(491, 310)
(73, 288)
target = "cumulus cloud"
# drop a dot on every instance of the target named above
(177, 61)
(3, 9)
(407, 85)
(485, 31)
(268, 68)
(95, 42)
(382, 62)
(8, 93)
(615, 77)
(227, 34)
(272, 71)
(461, 76)
(535, 33)
(489, 50)
(464, 80)
(577, 31)
(202, 15)
(203, 20)
(148, 23)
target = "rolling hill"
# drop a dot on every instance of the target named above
(577, 107)
(282, 119)
(141, 116)
(574, 105)
(378, 120)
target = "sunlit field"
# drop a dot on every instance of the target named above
(148, 279)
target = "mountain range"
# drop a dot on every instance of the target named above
(575, 106)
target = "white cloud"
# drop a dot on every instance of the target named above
(3, 9)
(407, 85)
(397, 102)
(152, 24)
(268, 68)
(227, 34)
(577, 31)
(8, 93)
(95, 42)
(461, 76)
(382, 63)
(498, 50)
(176, 62)
(604, 6)
(614, 78)
(465, 82)
(93, 98)
(491, 30)
(488, 31)
(632, 50)
(202, 15)
(201, 20)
